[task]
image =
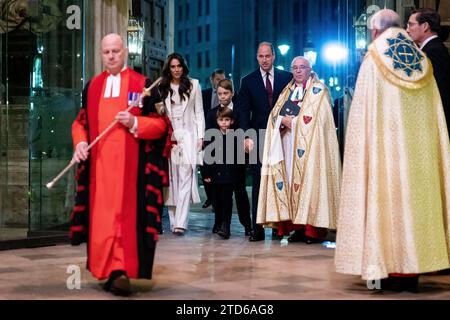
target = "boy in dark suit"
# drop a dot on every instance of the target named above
(210, 100)
(225, 93)
(226, 177)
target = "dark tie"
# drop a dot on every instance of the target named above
(269, 89)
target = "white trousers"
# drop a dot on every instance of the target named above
(182, 177)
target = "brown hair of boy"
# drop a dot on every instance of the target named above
(224, 113)
(226, 84)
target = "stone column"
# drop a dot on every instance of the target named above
(103, 17)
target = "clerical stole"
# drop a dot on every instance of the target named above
(113, 244)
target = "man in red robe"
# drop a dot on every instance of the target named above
(119, 200)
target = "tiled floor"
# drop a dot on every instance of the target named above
(202, 266)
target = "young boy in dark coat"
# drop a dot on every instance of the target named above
(225, 172)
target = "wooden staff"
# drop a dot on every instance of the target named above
(134, 103)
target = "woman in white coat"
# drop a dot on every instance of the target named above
(182, 98)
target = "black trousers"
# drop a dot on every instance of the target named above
(242, 204)
(223, 204)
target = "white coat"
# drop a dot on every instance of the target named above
(193, 129)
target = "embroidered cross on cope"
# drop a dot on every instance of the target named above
(269, 89)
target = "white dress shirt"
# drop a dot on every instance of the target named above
(230, 106)
(428, 40)
(112, 89)
(271, 76)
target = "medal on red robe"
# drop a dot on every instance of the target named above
(135, 99)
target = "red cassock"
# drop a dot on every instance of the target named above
(113, 176)
(284, 228)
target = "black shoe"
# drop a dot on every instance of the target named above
(400, 284)
(206, 204)
(257, 236)
(215, 229)
(113, 276)
(412, 284)
(118, 284)
(121, 286)
(310, 240)
(297, 236)
(385, 284)
(248, 232)
(445, 272)
(223, 234)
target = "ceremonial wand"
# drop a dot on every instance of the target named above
(134, 100)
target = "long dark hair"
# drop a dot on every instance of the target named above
(185, 85)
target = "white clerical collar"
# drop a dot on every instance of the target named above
(299, 90)
(264, 73)
(230, 106)
(112, 89)
(428, 40)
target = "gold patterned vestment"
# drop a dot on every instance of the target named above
(394, 211)
(309, 195)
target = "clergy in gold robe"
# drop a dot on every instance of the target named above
(394, 213)
(120, 180)
(301, 163)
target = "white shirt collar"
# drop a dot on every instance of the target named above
(230, 106)
(112, 89)
(428, 40)
(271, 72)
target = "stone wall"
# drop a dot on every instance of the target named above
(23, 179)
(14, 181)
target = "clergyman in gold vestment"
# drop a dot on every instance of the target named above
(301, 169)
(394, 213)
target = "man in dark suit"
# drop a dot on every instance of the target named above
(210, 100)
(258, 94)
(424, 26)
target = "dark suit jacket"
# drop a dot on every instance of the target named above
(211, 118)
(253, 103)
(211, 123)
(207, 96)
(222, 172)
(438, 53)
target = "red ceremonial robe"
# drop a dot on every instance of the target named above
(121, 232)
